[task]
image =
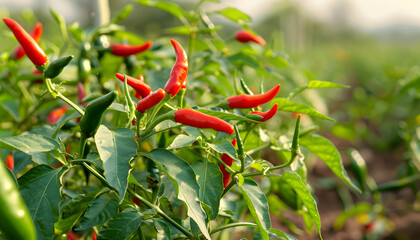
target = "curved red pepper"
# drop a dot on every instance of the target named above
(251, 101)
(142, 89)
(229, 161)
(246, 36)
(197, 119)
(266, 115)
(151, 100)
(125, 50)
(10, 162)
(28, 43)
(56, 114)
(178, 76)
(19, 53)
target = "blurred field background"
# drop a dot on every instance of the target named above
(372, 46)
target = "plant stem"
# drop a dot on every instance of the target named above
(141, 235)
(227, 167)
(162, 214)
(71, 103)
(83, 141)
(98, 175)
(232, 225)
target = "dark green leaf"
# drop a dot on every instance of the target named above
(288, 106)
(40, 189)
(327, 152)
(209, 179)
(225, 146)
(304, 195)
(181, 141)
(121, 226)
(99, 210)
(116, 149)
(12, 107)
(162, 229)
(184, 179)
(72, 211)
(29, 143)
(257, 205)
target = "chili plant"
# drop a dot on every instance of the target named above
(167, 168)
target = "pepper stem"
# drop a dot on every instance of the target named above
(162, 214)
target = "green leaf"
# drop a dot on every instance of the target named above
(223, 114)
(282, 234)
(121, 226)
(99, 210)
(324, 84)
(288, 106)
(181, 141)
(413, 84)
(359, 208)
(235, 15)
(171, 8)
(257, 205)
(244, 58)
(72, 211)
(184, 179)
(29, 143)
(123, 14)
(116, 149)
(40, 189)
(304, 195)
(162, 229)
(209, 179)
(327, 152)
(183, 30)
(225, 146)
(12, 107)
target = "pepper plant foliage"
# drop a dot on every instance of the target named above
(158, 173)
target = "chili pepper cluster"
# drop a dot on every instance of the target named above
(150, 101)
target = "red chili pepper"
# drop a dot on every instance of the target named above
(178, 76)
(81, 94)
(197, 119)
(151, 100)
(28, 43)
(93, 236)
(142, 89)
(72, 236)
(10, 162)
(246, 36)
(36, 72)
(56, 114)
(136, 201)
(125, 50)
(266, 115)
(251, 101)
(19, 53)
(229, 161)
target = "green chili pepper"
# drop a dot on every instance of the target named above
(15, 220)
(57, 66)
(94, 114)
